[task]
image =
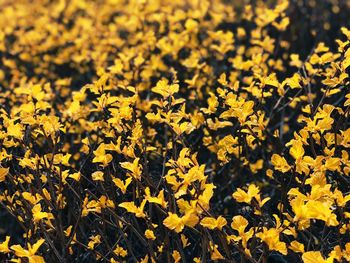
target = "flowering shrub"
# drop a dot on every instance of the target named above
(174, 131)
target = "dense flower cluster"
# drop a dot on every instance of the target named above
(174, 131)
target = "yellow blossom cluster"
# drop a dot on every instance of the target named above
(174, 131)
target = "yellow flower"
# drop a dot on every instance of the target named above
(164, 89)
(296, 246)
(38, 214)
(315, 257)
(176, 256)
(135, 168)
(156, 200)
(246, 197)
(271, 238)
(214, 252)
(94, 240)
(122, 185)
(3, 173)
(132, 208)
(174, 222)
(4, 246)
(280, 163)
(150, 234)
(101, 156)
(30, 254)
(297, 150)
(212, 223)
(120, 251)
(15, 130)
(97, 176)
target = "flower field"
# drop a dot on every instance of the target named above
(174, 131)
